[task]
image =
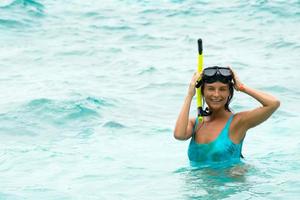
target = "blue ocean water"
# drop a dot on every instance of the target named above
(90, 92)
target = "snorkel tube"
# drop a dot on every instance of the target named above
(198, 90)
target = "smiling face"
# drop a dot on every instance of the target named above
(216, 95)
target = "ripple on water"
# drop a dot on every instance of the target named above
(10, 23)
(282, 43)
(147, 70)
(113, 124)
(113, 28)
(10, 196)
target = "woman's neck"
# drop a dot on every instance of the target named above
(218, 114)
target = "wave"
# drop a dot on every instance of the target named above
(67, 110)
(10, 3)
(36, 115)
(20, 13)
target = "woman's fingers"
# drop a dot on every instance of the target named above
(238, 85)
(193, 83)
(195, 77)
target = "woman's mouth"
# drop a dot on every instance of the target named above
(216, 100)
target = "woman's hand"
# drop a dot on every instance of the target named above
(184, 126)
(195, 78)
(238, 85)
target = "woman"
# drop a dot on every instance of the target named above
(219, 137)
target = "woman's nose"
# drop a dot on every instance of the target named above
(216, 93)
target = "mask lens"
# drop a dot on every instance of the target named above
(225, 72)
(210, 72)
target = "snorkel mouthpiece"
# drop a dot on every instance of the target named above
(205, 112)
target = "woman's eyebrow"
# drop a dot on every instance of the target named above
(223, 87)
(210, 86)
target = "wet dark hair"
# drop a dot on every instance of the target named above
(230, 85)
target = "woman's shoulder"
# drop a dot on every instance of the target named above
(239, 116)
(237, 124)
(194, 122)
(236, 117)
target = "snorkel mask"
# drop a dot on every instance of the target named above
(214, 74)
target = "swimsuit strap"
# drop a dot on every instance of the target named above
(195, 127)
(225, 130)
(229, 121)
(226, 125)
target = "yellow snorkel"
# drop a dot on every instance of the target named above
(198, 90)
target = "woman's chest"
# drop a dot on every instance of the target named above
(208, 133)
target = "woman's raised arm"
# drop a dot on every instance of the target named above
(184, 126)
(251, 118)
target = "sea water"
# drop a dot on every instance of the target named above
(90, 92)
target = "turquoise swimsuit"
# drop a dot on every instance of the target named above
(222, 149)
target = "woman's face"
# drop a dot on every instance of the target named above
(216, 95)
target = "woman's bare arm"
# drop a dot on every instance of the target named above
(184, 126)
(252, 118)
